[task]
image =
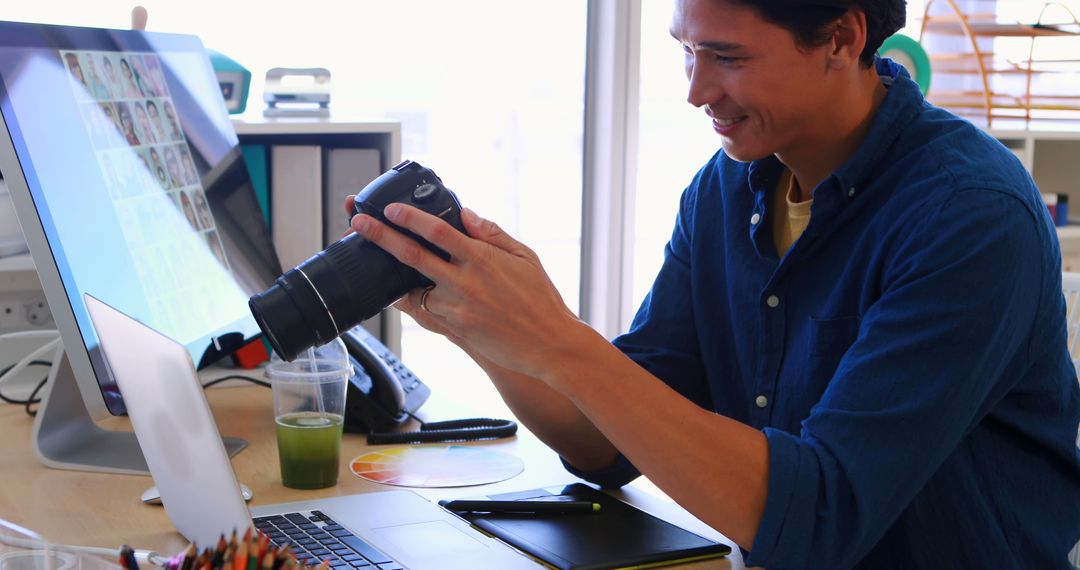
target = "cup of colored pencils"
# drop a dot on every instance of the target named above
(253, 551)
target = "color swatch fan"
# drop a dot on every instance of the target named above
(436, 466)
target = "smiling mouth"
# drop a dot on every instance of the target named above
(728, 122)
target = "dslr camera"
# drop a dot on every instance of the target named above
(353, 279)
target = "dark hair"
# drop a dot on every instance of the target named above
(810, 20)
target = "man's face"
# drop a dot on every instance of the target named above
(763, 92)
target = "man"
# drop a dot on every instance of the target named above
(854, 353)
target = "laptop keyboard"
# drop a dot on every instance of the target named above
(315, 537)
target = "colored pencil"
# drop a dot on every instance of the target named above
(189, 556)
(240, 560)
(251, 551)
(127, 557)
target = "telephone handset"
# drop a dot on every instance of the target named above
(384, 393)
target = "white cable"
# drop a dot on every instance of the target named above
(22, 364)
(48, 333)
(18, 367)
(142, 556)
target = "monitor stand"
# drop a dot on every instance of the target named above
(66, 437)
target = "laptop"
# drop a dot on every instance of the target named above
(385, 530)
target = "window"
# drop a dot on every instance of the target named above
(675, 140)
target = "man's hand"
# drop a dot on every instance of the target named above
(492, 298)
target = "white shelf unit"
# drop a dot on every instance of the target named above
(329, 133)
(17, 263)
(1053, 159)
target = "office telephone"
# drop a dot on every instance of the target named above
(384, 393)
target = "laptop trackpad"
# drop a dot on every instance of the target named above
(427, 539)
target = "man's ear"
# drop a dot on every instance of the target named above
(848, 40)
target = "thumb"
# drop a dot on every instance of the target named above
(489, 232)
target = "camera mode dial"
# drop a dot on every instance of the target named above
(425, 192)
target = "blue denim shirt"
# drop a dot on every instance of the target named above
(906, 358)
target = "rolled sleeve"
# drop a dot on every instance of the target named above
(789, 509)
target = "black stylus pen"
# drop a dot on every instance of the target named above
(521, 506)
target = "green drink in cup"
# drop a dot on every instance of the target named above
(309, 406)
(309, 447)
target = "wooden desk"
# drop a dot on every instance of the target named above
(95, 509)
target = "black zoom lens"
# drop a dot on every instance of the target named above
(352, 280)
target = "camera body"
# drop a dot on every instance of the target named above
(352, 280)
(410, 183)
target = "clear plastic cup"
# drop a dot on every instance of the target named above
(22, 549)
(309, 410)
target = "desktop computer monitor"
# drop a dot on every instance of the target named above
(129, 184)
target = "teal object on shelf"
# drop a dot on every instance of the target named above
(258, 168)
(909, 53)
(234, 79)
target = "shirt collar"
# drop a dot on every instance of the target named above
(902, 103)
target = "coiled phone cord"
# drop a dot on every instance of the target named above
(450, 430)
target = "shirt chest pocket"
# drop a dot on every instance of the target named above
(828, 339)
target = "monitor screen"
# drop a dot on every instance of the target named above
(130, 185)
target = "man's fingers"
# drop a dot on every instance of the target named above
(350, 200)
(439, 233)
(403, 248)
(410, 305)
(489, 232)
(433, 229)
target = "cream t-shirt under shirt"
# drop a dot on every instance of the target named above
(789, 218)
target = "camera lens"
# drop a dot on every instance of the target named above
(330, 293)
(352, 280)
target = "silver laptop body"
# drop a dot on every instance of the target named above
(191, 469)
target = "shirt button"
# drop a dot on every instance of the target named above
(773, 301)
(851, 192)
(755, 219)
(761, 401)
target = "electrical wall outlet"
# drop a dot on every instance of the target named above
(38, 313)
(10, 314)
(24, 310)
